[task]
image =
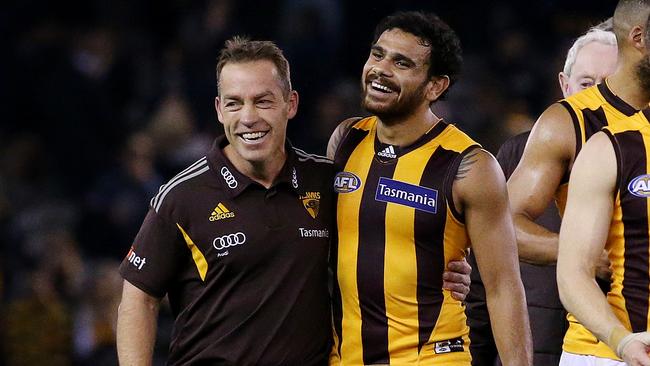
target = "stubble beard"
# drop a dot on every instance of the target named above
(397, 110)
(643, 75)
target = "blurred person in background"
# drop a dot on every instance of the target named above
(591, 58)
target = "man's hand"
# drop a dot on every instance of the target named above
(456, 279)
(633, 349)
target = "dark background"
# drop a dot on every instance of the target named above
(102, 101)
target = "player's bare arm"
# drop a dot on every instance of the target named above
(136, 326)
(546, 159)
(583, 235)
(479, 191)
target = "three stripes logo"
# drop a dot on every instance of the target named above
(388, 152)
(221, 212)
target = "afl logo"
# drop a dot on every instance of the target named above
(640, 186)
(346, 182)
(229, 178)
(229, 240)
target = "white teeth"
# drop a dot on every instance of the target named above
(253, 135)
(383, 88)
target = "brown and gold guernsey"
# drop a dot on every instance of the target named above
(591, 110)
(628, 240)
(397, 230)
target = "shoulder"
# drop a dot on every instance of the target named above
(339, 134)
(554, 131)
(181, 187)
(478, 175)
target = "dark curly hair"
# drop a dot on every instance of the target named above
(445, 57)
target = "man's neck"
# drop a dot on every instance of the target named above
(625, 84)
(407, 130)
(264, 172)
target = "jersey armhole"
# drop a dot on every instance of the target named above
(619, 162)
(578, 132)
(449, 182)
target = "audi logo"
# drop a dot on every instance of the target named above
(229, 240)
(230, 179)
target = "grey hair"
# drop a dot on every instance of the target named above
(600, 33)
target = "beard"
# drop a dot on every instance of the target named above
(398, 109)
(643, 74)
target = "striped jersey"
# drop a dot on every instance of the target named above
(590, 110)
(628, 239)
(397, 230)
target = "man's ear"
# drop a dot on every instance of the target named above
(217, 107)
(636, 37)
(564, 83)
(293, 104)
(436, 86)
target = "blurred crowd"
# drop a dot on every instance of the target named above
(102, 101)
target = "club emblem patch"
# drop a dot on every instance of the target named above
(311, 202)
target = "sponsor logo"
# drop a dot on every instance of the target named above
(229, 178)
(640, 186)
(388, 152)
(136, 260)
(394, 191)
(221, 212)
(314, 233)
(346, 182)
(311, 203)
(294, 179)
(448, 346)
(229, 240)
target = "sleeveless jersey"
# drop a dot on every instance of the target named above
(591, 110)
(397, 230)
(627, 243)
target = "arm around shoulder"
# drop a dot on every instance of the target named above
(338, 135)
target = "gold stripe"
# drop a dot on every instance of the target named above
(400, 262)
(348, 232)
(199, 259)
(223, 208)
(217, 211)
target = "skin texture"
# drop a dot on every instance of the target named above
(137, 320)
(550, 153)
(583, 235)
(398, 61)
(251, 100)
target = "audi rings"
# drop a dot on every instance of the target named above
(229, 240)
(229, 178)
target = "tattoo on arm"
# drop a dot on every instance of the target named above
(466, 164)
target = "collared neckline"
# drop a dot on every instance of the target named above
(234, 182)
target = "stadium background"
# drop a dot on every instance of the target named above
(102, 101)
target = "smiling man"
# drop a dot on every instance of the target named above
(238, 241)
(417, 192)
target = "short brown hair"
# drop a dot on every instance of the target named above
(241, 49)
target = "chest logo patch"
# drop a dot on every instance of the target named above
(640, 186)
(311, 202)
(229, 240)
(346, 182)
(401, 193)
(221, 212)
(448, 346)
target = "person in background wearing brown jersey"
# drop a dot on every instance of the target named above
(413, 192)
(608, 208)
(555, 141)
(591, 58)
